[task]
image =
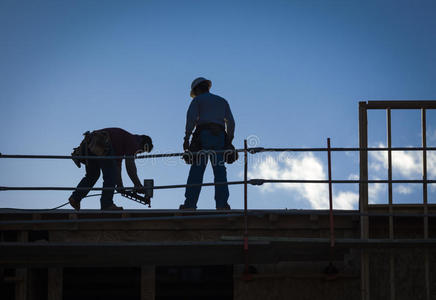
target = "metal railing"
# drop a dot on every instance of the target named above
(363, 181)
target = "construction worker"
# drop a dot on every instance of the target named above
(211, 116)
(108, 142)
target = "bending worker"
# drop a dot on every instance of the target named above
(210, 115)
(108, 142)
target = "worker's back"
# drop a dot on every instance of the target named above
(211, 108)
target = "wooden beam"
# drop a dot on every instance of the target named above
(390, 201)
(136, 254)
(148, 282)
(363, 198)
(55, 283)
(195, 253)
(425, 200)
(21, 273)
(299, 220)
(396, 104)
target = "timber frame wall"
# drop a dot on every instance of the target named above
(365, 207)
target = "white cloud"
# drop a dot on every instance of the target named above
(374, 190)
(405, 163)
(431, 134)
(353, 177)
(346, 200)
(431, 164)
(302, 166)
(404, 189)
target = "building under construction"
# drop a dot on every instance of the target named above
(376, 252)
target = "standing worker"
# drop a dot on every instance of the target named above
(108, 142)
(211, 116)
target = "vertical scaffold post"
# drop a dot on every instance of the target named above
(245, 190)
(425, 199)
(331, 269)
(363, 197)
(332, 224)
(246, 270)
(390, 197)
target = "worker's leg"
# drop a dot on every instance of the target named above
(87, 182)
(216, 142)
(220, 174)
(195, 177)
(109, 168)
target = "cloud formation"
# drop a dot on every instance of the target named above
(405, 165)
(304, 166)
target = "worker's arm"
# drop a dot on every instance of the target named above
(131, 171)
(230, 122)
(119, 178)
(191, 120)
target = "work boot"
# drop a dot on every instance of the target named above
(225, 207)
(113, 207)
(74, 203)
(182, 207)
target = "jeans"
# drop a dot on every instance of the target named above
(209, 141)
(109, 169)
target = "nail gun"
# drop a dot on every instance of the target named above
(148, 193)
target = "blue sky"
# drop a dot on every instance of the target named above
(292, 71)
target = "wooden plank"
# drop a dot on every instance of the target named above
(395, 104)
(363, 198)
(364, 276)
(148, 282)
(390, 190)
(234, 223)
(390, 201)
(425, 200)
(196, 253)
(427, 275)
(22, 273)
(363, 187)
(402, 208)
(21, 284)
(134, 254)
(392, 275)
(55, 283)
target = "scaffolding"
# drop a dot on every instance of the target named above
(365, 243)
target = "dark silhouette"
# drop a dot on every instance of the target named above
(108, 142)
(211, 116)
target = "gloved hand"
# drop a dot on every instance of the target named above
(139, 189)
(120, 189)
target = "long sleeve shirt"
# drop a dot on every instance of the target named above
(123, 142)
(209, 108)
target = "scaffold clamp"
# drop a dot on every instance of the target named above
(257, 181)
(256, 150)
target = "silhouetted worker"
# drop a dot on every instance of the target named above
(108, 142)
(211, 115)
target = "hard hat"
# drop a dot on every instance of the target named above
(196, 82)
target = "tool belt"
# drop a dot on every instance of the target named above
(89, 142)
(230, 155)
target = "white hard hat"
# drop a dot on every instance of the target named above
(196, 82)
